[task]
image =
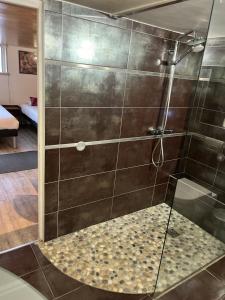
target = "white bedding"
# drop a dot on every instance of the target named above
(7, 121)
(30, 111)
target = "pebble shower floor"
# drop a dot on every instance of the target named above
(123, 255)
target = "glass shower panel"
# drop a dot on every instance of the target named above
(196, 230)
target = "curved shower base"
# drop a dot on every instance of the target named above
(123, 255)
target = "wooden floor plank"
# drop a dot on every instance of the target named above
(18, 208)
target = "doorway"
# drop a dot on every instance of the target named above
(20, 126)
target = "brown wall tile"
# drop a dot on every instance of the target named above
(146, 51)
(81, 43)
(52, 126)
(136, 121)
(53, 35)
(169, 168)
(145, 91)
(134, 178)
(90, 124)
(87, 189)
(51, 197)
(51, 165)
(94, 159)
(183, 93)
(202, 172)
(134, 153)
(52, 85)
(74, 219)
(159, 194)
(131, 202)
(50, 226)
(92, 87)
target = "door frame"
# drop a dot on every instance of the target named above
(38, 4)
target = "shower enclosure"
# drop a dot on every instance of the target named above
(196, 229)
(134, 162)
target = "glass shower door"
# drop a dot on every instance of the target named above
(195, 236)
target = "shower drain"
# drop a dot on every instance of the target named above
(172, 232)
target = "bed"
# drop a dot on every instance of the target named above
(30, 113)
(9, 125)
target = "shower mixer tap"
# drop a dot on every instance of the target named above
(158, 131)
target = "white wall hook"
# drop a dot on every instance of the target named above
(80, 146)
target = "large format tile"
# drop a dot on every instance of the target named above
(81, 43)
(59, 283)
(52, 85)
(53, 5)
(177, 119)
(94, 159)
(87, 189)
(89, 124)
(131, 202)
(83, 12)
(134, 153)
(173, 148)
(159, 195)
(200, 151)
(183, 93)
(53, 35)
(169, 168)
(87, 292)
(195, 289)
(38, 281)
(146, 51)
(51, 165)
(51, 197)
(204, 173)
(83, 87)
(51, 224)
(215, 96)
(136, 121)
(74, 219)
(134, 178)
(145, 91)
(220, 179)
(213, 118)
(52, 126)
(218, 269)
(19, 261)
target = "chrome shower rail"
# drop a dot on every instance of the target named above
(80, 146)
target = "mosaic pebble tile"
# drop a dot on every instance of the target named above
(123, 255)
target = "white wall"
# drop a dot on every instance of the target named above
(16, 88)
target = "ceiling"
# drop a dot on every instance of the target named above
(18, 26)
(180, 17)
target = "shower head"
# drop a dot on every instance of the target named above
(196, 44)
(198, 48)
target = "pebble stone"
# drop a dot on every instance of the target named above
(123, 255)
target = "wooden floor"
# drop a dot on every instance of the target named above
(26, 141)
(18, 208)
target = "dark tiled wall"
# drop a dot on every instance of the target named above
(103, 82)
(207, 118)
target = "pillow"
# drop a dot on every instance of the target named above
(33, 101)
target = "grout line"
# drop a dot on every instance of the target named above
(60, 130)
(40, 268)
(117, 107)
(204, 268)
(70, 292)
(110, 171)
(117, 69)
(121, 120)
